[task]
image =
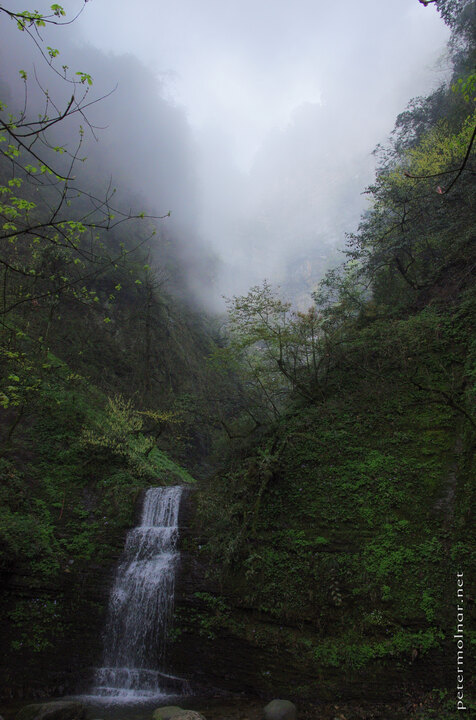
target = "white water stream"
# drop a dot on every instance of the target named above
(141, 604)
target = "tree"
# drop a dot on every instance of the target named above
(279, 352)
(62, 247)
(412, 232)
(53, 232)
(459, 15)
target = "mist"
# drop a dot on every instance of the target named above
(253, 124)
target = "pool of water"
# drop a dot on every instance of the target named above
(228, 708)
(212, 708)
(103, 708)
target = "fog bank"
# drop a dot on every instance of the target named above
(252, 123)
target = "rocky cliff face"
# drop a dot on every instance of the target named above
(60, 659)
(226, 635)
(64, 658)
(341, 582)
(217, 638)
(221, 643)
(52, 632)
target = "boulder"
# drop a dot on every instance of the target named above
(189, 715)
(280, 710)
(167, 712)
(62, 710)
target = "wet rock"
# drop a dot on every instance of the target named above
(167, 712)
(280, 710)
(53, 711)
(189, 715)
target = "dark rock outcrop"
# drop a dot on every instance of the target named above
(53, 711)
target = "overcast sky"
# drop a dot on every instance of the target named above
(264, 112)
(246, 65)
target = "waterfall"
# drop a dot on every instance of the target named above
(141, 604)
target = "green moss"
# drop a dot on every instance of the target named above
(365, 514)
(63, 507)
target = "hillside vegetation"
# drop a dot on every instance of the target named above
(105, 386)
(333, 449)
(346, 523)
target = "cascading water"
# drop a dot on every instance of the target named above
(141, 603)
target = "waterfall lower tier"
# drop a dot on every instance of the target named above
(141, 604)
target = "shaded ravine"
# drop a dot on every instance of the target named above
(141, 604)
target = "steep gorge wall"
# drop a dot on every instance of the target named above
(71, 643)
(52, 631)
(344, 584)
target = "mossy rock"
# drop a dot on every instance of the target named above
(53, 711)
(167, 712)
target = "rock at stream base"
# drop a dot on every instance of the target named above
(53, 711)
(172, 712)
(167, 713)
(280, 710)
